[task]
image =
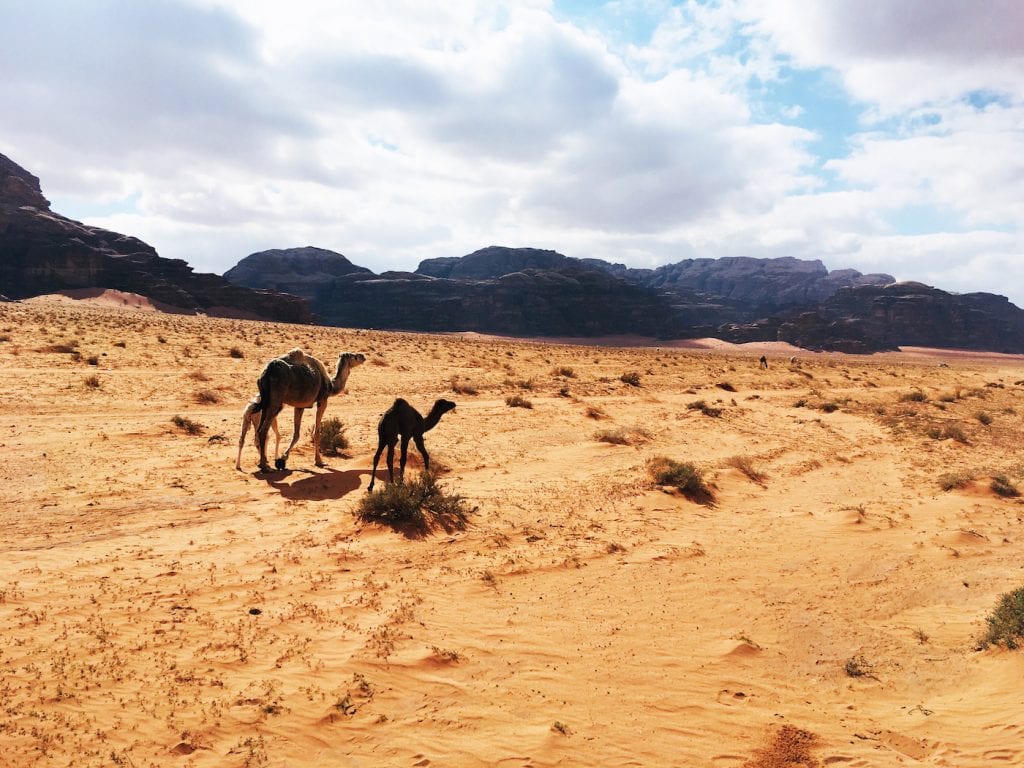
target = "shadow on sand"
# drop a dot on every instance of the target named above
(315, 486)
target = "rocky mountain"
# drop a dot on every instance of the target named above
(527, 291)
(42, 252)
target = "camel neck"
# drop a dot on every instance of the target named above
(432, 418)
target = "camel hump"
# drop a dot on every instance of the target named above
(399, 402)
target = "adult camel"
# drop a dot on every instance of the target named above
(301, 386)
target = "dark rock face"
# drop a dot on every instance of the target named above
(42, 252)
(297, 271)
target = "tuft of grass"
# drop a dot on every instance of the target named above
(517, 401)
(189, 426)
(565, 372)
(726, 386)
(917, 396)
(236, 353)
(623, 436)
(951, 480)
(746, 465)
(685, 476)
(1006, 622)
(415, 508)
(462, 387)
(92, 382)
(593, 412)
(829, 407)
(1003, 486)
(984, 417)
(632, 378)
(703, 407)
(206, 397)
(332, 436)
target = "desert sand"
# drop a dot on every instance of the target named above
(822, 607)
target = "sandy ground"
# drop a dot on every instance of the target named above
(821, 608)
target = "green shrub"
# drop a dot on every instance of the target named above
(415, 508)
(1006, 622)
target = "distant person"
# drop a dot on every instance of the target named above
(764, 361)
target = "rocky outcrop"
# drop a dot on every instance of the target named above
(43, 252)
(296, 271)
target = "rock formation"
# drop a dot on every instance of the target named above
(43, 252)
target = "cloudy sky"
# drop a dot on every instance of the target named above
(885, 135)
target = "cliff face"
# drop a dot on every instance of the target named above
(296, 271)
(42, 252)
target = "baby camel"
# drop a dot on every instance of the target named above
(401, 419)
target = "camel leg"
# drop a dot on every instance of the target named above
(423, 452)
(320, 408)
(401, 461)
(391, 462)
(376, 458)
(268, 419)
(282, 462)
(247, 421)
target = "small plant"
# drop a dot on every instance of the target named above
(161, 339)
(236, 353)
(93, 360)
(332, 436)
(1006, 622)
(685, 476)
(952, 480)
(801, 403)
(517, 401)
(559, 727)
(829, 407)
(726, 386)
(206, 397)
(917, 396)
(623, 436)
(921, 636)
(462, 387)
(746, 465)
(92, 382)
(565, 372)
(593, 412)
(703, 407)
(416, 508)
(857, 666)
(632, 378)
(1003, 486)
(189, 426)
(984, 417)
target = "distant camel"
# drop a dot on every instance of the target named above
(402, 419)
(764, 361)
(251, 415)
(301, 386)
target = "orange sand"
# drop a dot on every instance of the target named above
(159, 608)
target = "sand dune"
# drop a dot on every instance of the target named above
(821, 607)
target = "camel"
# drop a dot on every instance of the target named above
(251, 415)
(301, 386)
(402, 419)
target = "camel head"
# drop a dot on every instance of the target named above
(346, 362)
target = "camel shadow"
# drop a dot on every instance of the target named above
(324, 485)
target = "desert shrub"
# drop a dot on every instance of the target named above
(566, 372)
(952, 480)
(462, 387)
(332, 436)
(1006, 622)
(954, 432)
(857, 666)
(563, 391)
(593, 412)
(1002, 485)
(829, 407)
(416, 507)
(703, 407)
(726, 386)
(206, 397)
(189, 426)
(161, 339)
(685, 476)
(801, 403)
(517, 401)
(623, 435)
(632, 378)
(92, 382)
(917, 396)
(93, 360)
(198, 375)
(236, 353)
(746, 465)
(984, 417)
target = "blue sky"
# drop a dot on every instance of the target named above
(887, 137)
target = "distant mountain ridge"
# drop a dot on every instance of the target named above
(43, 252)
(535, 292)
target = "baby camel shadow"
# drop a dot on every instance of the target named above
(317, 486)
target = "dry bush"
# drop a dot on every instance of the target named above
(1002, 485)
(206, 397)
(593, 412)
(416, 508)
(857, 666)
(198, 375)
(951, 480)
(632, 378)
(565, 372)
(703, 407)
(236, 353)
(623, 436)
(92, 382)
(332, 436)
(726, 386)
(685, 476)
(189, 426)
(462, 387)
(984, 417)
(917, 396)
(518, 401)
(1006, 622)
(745, 464)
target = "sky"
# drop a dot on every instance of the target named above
(884, 136)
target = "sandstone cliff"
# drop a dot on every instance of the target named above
(42, 252)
